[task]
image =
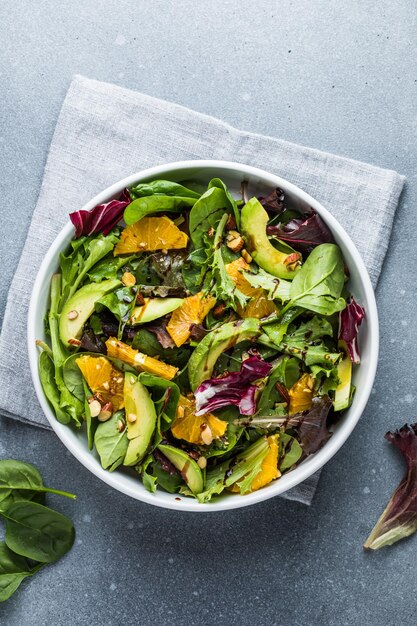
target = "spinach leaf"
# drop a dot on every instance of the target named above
(150, 481)
(219, 184)
(161, 188)
(121, 303)
(90, 422)
(22, 481)
(224, 288)
(318, 284)
(275, 287)
(147, 343)
(305, 342)
(13, 569)
(37, 532)
(73, 377)
(155, 204)
(170, 482)
(290, 452)
(111, 444)
(50, 389)
(205, 214)
(196, 269)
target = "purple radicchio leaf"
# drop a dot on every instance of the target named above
(275, 201)
(311, 425)
(235, 388)
(399, 519)
(303, 233)
(349, 321)
(102, 218)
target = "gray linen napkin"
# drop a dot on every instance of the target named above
(105, 133)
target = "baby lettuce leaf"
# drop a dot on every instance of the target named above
(285, 372)
(224, 289)
(111, 444)
(311, 426)
(102, 218)
(156, 204)
(275, 287)
(108, 268)
(50, 389)
(206, 213)
(290, 452)
(305, 342)
(304, 232)
(318, 284)
(37, 532)
(275, 201)
(13, 569)
(162, 188)
(276, 328)
(399, 519)
(349, 321)
(121, 303)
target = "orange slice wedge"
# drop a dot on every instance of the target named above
(193, 428)
(192, 311)
(301, 394)
(143, 363)
(103, 378)
(150, 234)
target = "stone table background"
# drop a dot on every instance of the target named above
(340, 76)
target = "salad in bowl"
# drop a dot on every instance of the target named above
(202, 341)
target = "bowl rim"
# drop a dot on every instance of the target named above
(293, 478)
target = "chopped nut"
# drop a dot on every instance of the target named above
(180, 412)
(131, 418)
(206, 435)
(105, 414)
(233, 234)
(219, 310)
(120, 426)
(142, 244)
(128, 279)
(72, 315)
(231, 223)
(292, 260)
(236, 244)
(246, 256)
(210, 231)
(106, 384)
(140, 300)
(202, 462)
(74, 342)
(95, 408)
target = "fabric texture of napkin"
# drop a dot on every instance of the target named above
(105, 133)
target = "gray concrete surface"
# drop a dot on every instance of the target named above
(340, 76)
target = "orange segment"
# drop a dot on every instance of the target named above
(188, 426)
(258, 305)
(192, 311)
(150, 234)
(103, 378)
(119, 350)
(269, 468)
(301, 394)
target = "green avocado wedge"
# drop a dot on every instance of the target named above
(204, 357)
(140, 419)
(153, 309)
(80, 306)
(254, 219)
(188, 468)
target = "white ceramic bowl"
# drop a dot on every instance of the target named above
(260, 183)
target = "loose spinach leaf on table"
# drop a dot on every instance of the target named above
(162, 188)
(13, 569)
(141, 207)
(111, 444)
(37, 532)
(318, 284)
(21, 481)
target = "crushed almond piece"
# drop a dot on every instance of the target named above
(246, 256)
(128, 279)
(72, 315)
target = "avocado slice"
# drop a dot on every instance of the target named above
(343, 396)
(154, 308)
(139, 405)
(204, 357)
(254, 219)
(188, 468)
(80, 306)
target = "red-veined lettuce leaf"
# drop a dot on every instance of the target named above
(235, 388)
(303, 233)
(311, 425)
(349, 321)
(102, 218)
(399, 519)
(275, 201)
